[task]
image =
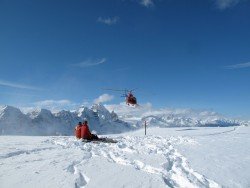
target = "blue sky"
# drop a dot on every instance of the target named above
(181, 54)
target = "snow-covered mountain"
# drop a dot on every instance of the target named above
(106, 119)
(166, 117)
(44, 122)
(12, 120)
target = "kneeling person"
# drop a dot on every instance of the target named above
(85, 132)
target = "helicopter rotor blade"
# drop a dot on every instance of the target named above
(133, 89)
(109, 89)
(126, 91)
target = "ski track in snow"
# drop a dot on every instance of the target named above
(154, 155)
(20, 152)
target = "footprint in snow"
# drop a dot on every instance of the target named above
(81, 181)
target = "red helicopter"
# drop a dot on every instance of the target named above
(129, 96)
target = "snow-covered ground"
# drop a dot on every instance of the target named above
(166, 157)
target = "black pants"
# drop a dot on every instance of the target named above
(94, 136)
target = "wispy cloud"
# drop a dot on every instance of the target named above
(147, 3)
(17, 85)
(90, 63)
(18, 94)
(238, 66)
(104, 98)
(224, 4)
(109, 21)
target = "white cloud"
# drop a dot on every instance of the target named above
(108, 21)
(238, 66)
(90, 62)
(17, 85)
(53, 102)
(147, 3)
(56, 105)
(224, 4)
(104, 98)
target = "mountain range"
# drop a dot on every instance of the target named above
(108, 119)
(44, 122)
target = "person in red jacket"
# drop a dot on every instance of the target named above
(85, 132)
(78, 130)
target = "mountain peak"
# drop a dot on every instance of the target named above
(7, 110)
(39, 112)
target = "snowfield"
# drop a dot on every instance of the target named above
(166, 157)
